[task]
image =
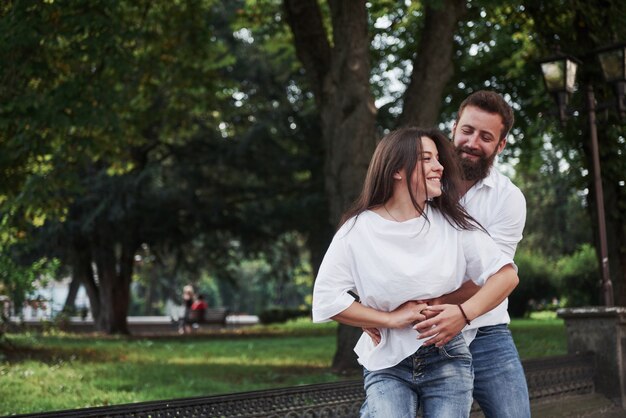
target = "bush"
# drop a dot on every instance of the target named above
(579, 277)
(279, 315)
(537, 283)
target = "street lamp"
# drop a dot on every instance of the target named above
(559, 74)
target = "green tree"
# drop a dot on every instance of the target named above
(196, 166)
(490, 45)
(93, 93)
(579, 28)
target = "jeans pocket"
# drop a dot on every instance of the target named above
(456, 348)
(493, 330)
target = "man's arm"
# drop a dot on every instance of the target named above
(450, 319)
(462, 294)
(507, 225)
(506, 231)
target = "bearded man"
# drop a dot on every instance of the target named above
(483, 123)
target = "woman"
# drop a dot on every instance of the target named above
(407, 239)
(188, 299)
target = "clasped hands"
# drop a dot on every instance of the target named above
(438, 323)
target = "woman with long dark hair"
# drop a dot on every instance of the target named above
(407, 239)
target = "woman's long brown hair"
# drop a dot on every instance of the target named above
(401, 149)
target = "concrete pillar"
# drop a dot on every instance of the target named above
(601, 330)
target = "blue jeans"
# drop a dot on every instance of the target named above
(437, 379)
(499, 382)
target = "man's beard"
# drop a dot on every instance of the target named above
(475, 170)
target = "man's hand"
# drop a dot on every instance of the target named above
(446, 323)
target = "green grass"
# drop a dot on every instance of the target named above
(542, 335)
(51, 372)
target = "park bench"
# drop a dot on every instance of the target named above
(137, 325)
(212, 316)
(215, 316)
(555, 383)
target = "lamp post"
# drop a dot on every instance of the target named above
(559, 74)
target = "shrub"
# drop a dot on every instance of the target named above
(537, 283)
(279, 315)
(579, 277)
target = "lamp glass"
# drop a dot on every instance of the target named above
(554, 75)
(559, 75)
(570, 73)
(613, 63)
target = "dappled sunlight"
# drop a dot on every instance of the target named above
(239, 360)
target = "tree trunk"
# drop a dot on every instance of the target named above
(339, 77)
(432, 66)
(345, 359)
(114, 277)
(348, 113)
(70, 301)
(83, 273)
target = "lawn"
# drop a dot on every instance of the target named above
(51, 372)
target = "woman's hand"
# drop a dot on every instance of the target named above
(447, 323)
(405, 315)
(374, 334)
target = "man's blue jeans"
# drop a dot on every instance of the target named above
(499, 382)
(439, 380)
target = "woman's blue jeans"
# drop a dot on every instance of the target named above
(438, 380)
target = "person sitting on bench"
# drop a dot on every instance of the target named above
(198, 310)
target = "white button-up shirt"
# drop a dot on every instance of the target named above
(500, 207)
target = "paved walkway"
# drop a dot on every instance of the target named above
(141, 325)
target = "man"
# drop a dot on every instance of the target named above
(483, 122)
(482, 125)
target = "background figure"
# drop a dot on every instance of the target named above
(198, 311)
(188, 298)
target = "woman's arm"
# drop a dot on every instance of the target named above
(403, 316)
(451, 319)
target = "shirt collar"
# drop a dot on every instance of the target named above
(489, 181)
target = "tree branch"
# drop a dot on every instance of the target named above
(432, 66)
(311, 41)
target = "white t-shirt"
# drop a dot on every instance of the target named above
(388, 263)
(500, 207)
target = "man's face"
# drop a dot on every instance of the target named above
(477, 141)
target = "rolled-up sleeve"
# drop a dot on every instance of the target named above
(333, 281)
(508, 224)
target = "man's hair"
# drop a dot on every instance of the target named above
(491, 102)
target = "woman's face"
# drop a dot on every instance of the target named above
(428, 168)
